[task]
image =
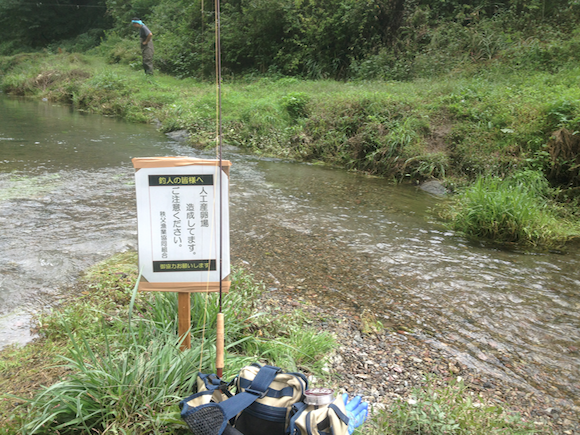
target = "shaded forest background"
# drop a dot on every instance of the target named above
(340, 39)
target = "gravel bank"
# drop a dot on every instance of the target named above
(385, 366)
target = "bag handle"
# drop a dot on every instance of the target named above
(257, 389)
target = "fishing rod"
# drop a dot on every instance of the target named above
(220, 316)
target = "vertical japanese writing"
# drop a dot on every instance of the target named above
(190, 208)
(175, 200)
(163, 219)
(203, 209)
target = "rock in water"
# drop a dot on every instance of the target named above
(434, 187)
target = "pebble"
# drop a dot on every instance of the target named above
(394, 360)
(382, 370)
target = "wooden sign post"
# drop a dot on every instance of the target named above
(180, 227)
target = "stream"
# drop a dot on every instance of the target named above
(67, 201)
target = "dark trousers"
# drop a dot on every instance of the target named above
(147, 52)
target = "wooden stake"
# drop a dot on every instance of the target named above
(184, 319)
(219, 364)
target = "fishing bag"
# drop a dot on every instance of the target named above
(197, 410)
(263, 400)
(269, 414)
(330, 419)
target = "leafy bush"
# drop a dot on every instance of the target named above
(119, 50)
(79, 44)
(563, 113)
(109, 81)
(534, 182)
(424, 166)
(295, 103)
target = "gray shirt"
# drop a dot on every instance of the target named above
(144, 32)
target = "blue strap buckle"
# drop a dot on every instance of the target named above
(260, 394)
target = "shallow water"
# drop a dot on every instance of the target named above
(67, 201)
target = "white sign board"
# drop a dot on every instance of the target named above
(178, 217)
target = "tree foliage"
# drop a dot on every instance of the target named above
(335, 38)
(396, 39)
(29, 24)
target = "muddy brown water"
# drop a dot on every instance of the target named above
(67, 201)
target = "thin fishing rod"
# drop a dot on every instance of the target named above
(220, 316)
(219, 112)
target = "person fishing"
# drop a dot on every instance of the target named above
(147, 49)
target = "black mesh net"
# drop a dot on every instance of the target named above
(205, 421)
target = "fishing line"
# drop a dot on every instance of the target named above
(204, 321)
(39, 4)
(202, 33)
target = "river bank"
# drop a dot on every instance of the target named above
(493, 122)
(383, 356)
(490, 124)
(387, 367)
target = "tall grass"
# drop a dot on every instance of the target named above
(288, 344)
(512, 210)
(129, 386)
(126, 372)
(132, 391)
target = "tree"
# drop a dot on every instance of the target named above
(36, 24)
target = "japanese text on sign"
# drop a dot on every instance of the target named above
(178, 229)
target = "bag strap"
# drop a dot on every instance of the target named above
(257, 389)
(275, 394)
(341, 415)
(297, 410)
(211, 381)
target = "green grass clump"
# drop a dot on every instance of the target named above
(133, 391)
(512, 210)
(448, 410)
(288, 343)
(109, 358)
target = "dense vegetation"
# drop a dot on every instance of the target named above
(29, 25)
(389, 39)
(491, 125)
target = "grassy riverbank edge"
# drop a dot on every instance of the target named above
(487, 123)
(106, 361)
(107, 357)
